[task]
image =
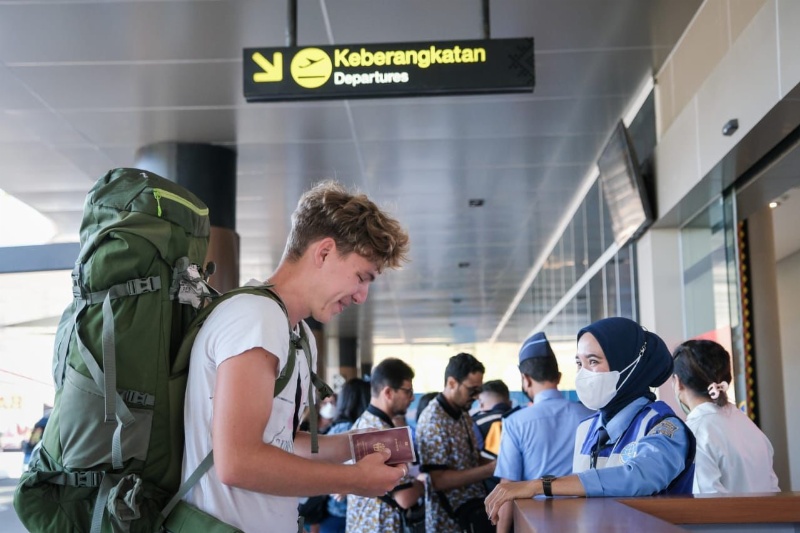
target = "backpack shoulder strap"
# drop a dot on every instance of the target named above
(296, 341)
(301, 341)
(203, 314)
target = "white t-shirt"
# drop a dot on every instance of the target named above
(239, 324)
(733, 455)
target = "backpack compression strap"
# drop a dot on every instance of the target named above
(106, 377)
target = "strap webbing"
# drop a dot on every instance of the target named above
(109, 360)
(319, 385)
(106, 378)
(58, 372)
(85, 478)
(132, 287)
(280, 384)
(201, 469)
(445, 503)
(121, 410)
(100, 504)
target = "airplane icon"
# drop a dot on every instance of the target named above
(311, 62)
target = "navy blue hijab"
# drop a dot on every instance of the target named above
(621, 340)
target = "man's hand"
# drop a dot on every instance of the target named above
(374, 477)
(505, 492)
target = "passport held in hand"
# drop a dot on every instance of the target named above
(398, 440)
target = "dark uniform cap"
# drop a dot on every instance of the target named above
(535, 346)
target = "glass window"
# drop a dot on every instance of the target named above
(707, 253)
(31, 304)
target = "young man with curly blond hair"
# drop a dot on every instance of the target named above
(340, 242)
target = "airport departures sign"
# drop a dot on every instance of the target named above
(389, 69)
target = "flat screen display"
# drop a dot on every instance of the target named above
(623, 188)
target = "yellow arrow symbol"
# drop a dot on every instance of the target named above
(272, 71)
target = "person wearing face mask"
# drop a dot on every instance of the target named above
(329, 410)
(538, 439)
(327, 413)
(733, 455)
(633, 445)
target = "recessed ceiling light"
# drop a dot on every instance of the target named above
(463, 264)
(476, 202)
(773, 205)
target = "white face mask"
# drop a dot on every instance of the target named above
(684, 407)
(328, 410)
(596, 389)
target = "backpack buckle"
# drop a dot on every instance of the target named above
(88, 479)
(138, 398)
(138, 286)
(77, 285)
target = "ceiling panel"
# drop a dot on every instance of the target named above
(598, 24)
(45, 126)
(138, 31)
(471, 117)
(365, 21)
(134, 85)
(13, 94)
(295, 122)
(84, 84)
(135, 128)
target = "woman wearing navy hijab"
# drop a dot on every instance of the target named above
(633, 445)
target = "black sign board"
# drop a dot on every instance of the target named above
(388, 69)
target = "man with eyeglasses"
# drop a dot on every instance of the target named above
(448, 449)
(391, 393)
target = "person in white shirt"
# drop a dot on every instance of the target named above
(733, 455)
(339, 243)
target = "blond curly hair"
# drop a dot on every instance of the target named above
(352, 220)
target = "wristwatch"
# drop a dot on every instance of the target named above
(547, 487)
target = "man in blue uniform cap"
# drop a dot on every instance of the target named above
(539, 439)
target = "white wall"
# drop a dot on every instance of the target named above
(737, 59)
(788, 277)
(752, 67)
(660, 302)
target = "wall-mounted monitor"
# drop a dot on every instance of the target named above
(623, 188)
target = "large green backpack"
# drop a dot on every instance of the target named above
(110, 457)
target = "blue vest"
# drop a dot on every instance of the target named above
(618, 453)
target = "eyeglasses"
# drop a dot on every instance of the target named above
(409, 390)
(472, 391)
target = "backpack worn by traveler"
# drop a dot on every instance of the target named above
(110, 457)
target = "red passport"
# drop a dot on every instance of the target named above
(398, 440)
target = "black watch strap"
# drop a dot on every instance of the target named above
(547, 485)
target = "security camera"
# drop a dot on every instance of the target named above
(730, 127)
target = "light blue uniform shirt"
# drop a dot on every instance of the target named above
(645, 457)
(540, 439)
